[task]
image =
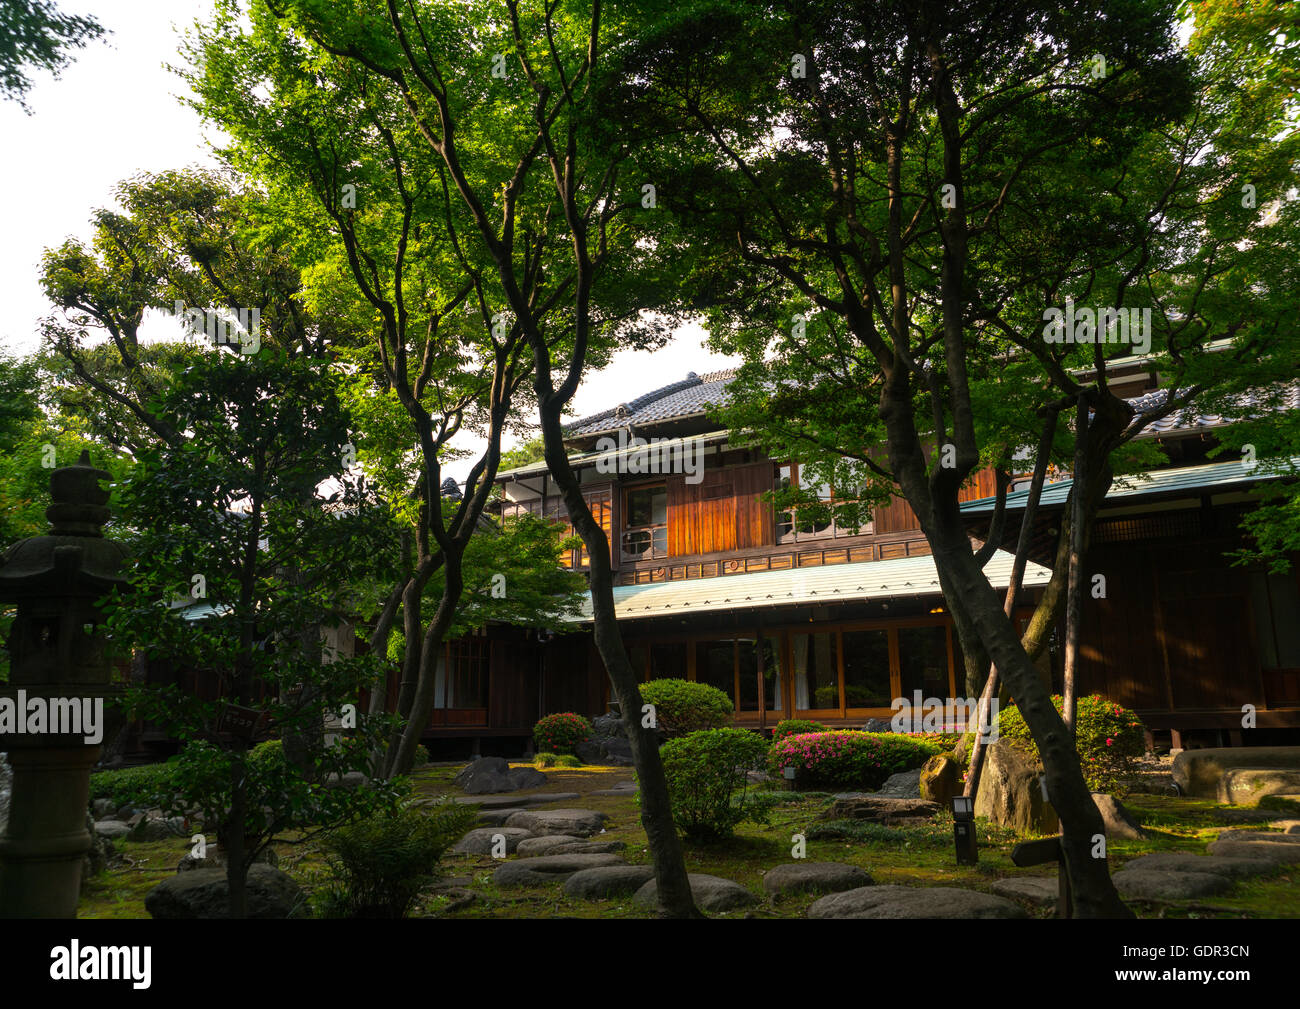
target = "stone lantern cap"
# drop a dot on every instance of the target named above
(74, 558)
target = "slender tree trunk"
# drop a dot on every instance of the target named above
(236, 870)
(1074, 595)
(674, 888)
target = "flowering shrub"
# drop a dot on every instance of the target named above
(704, 770)
(796, 727)
(561, 733)
(848, 759)
(1109, 738)
(682, 706)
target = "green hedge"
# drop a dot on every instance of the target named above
(849, 759)
(132, 786)
(797, 727)
(683, 706)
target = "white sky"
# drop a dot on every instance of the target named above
(113, 113)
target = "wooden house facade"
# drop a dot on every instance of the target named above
(795, 617)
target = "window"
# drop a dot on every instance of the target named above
(809, 522)
(923, 661)
(461, 679)
(715, 664)
(601, 511)
(816, 671)
(751, 655)
(645, 522)
(668, 661)
(866, 669)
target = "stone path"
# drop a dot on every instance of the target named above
(814, 877)
(914, 902)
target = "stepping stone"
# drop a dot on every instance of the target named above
(1258, 835)
(621, 790)
(814, 877)
(914, 902)
(711, 893)
(1278, 852)
(112, 829)
(1286, 826)
(1168, 885)
(483, 840)
(1041, 891)
(542, 798)
(578, 822)
(498, 817)
(588, 848)
(608, 881)
(492, 801)
(535, 846)
(1219, 865)
(549, 869)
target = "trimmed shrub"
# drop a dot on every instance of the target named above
(682, 706)
(135, 786)
(1108, 737)
(380, 864)
(797, 727)
(705, 771)
(848, 759)
(421, 755)
(561, 733)
(556, 760)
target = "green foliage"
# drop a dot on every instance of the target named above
(848, 759)
(35, 34)
(561, 733)
(380, 864)
(682, 706)
(147, 785)
(543, 760)
(796, 727)
(1109, 738)
(421, 755)
(705, 771)
(854, 830)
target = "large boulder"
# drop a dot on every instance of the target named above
(903, 785)
(490, 775)
(814, 877)
(1010, 793)
(609, 725)
(711, 893)
(111, 829)
(549, 869)
(535, 846)
(914, 902)
(203, 894)
(1118, 821)
(1200, 772)
(102, 809)
(608, 881)
(157, 828)
(577, 822)
(941, 780)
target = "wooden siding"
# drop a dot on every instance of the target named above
(723, 512)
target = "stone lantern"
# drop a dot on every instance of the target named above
(59, 681)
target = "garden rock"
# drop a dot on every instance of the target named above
(914, 902)
(880, 808)
(1010, 794)
(489, 775)
(903, 785)
(940, 780)
(112, 829)
(215, 859)
(1167, 885)
(578, 822)
(620, 790)
(6, 790)
(203, 894)
(1199, 772)
(1258, 835)
(548, 869)
(1219, 865)
(102, 809)
(613, 751)
(609, 726)
(1280, 853)
(1038, 890)
(608, 881)
(155, 828)
(498, 817)
(534, 846)
(101, 854)
(711, 893)
(878, 725)
(1118, 821)
(483, 840)
(814, 877)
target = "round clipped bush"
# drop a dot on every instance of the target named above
(708, 778)
(797, 727)
(1109, 738)
(682, 706)
(561, 733)
(543, 760)
(848, 759)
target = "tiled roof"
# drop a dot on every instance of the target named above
(834, 583)
(1287, 399)
(687, 398)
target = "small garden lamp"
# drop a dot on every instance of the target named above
(963, 828)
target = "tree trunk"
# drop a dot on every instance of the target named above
(674, 888)
(1074, 594)
(236, 869)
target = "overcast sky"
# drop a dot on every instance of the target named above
(114, 112)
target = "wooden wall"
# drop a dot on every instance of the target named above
(724, 511)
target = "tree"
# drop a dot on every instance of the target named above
(500, 97)
(232, 564)
(34, 34)
(886, 201)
